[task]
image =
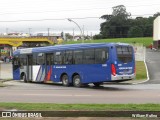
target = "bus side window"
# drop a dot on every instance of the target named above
(40, 59)
(23, 61)
(101, 55)
(88, 56)
(68, 57)
(78, 57)
(59, 58)
(16, 61)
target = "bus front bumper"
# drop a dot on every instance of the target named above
(122, 77)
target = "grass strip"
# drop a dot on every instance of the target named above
(90, 107)
(141, 73)
(146, 41)
(1, 84)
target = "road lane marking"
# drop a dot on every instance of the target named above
(58, 95)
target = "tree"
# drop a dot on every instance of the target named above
(156, 14)
(99, 36)
(116, 25)
(120, 11)
(135, 31)
(146, 25)
(119, 24)
(68, 36)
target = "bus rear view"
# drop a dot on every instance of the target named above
(123, 66)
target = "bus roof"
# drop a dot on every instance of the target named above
(64, 47)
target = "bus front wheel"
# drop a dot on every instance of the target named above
(65, 80)
(77, 81)
(24, 78)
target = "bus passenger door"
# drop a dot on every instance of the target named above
(29, 67)
(49, 62)
(16, 68)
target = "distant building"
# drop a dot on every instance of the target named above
(156, 33)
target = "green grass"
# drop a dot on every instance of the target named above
(146, 41)
(93, 107)
(1, 84)
(140, 70)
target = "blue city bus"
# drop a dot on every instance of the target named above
(75, 64)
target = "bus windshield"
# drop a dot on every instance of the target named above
(124, 53)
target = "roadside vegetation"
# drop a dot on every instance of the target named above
(87, 107)
(146, 41)
(1, 84)
(2, 81)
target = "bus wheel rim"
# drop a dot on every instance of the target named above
(65, 81)
(77, 81)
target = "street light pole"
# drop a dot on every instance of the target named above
(0, 70)
(78, 27)
(7, 31)
(48, 31)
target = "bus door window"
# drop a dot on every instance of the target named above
(34, 61)
(16, 62)
(30, 59)
(40, 59)
(49, 59)
(23, 61)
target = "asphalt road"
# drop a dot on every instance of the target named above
(51, 93)
(153, 63)
(17, 91)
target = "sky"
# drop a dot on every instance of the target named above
(37, 16)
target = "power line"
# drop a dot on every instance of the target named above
(25, 20)
(72, 10)
(48, 19)
(32, 20)
(53, 11)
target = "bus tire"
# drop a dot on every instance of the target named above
(97, 84)
(24, 78)
(65, 80)
(77, 81)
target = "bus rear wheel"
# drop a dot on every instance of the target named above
(65, 80)
(97, 84)
(77, 81)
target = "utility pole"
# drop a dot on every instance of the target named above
(91, 35)
(83, 31)
(6, 30)
(73, 33)
(0, 70)
(29, 31)
(48, 31)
